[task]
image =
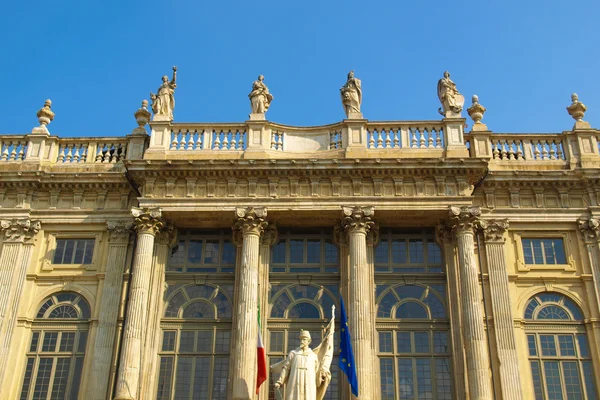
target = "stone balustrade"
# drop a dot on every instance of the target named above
(84, 150)
(413, 135)
(13, 147)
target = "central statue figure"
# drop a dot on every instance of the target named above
(305, 373)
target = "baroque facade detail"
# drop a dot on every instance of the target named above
(20, 229)
(493, 230)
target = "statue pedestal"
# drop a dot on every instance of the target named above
(257, 117)
(161, 117)
(354, 115)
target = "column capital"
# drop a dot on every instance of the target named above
(464, 219)
(373, 235)
(167, 235)
(270, 236)
(443, 233)
(147, 220)
(119, 231)
(250, 220)
(493, 230)
(589, 228)
(358, 218)
(19, 230)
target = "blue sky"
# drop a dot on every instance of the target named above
(98, 60)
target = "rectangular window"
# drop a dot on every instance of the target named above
(304, 252)
(416, 252)
(74, 251)
(204, 252)
(544, 251)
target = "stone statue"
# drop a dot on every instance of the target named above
(351, 94)
(260, 98)
(306, 373)
(452, 101)
(163, 102)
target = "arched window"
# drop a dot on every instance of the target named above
(559, 354)
(57, 348)
(196, 330)
(414, 344)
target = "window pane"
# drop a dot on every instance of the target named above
(49, 343)
(552, 312)
(434, 253)
(296, 251)
(572, 382)
(195, 251)
(588, 375)
(61, 376)
(35, 337)
(415, 250)
(527, 251)
(59, 251)
(183, 381)
(27, 378)
(222, 342)
(548, 345)
(549, 251)
(42, 380)
(552, 380)
(69, 252)
(405, 375)
(440, 342)
(388, 387)
(186, 341)
(313, 251)
(228, 256)
(66, 342)
(304, 310)
(385, 342)
(538, 256)
(331, 253)
(168, 343)
(421, 342)
(165, 377)
(220, 375)
(583, 346)
(82, 342)
(532, 345)
(201, 375)
(424, 385)
(276, 342)
(211, 255)
(205, 342)
(567, 347)
(79, 251)
(278, 253)
(443, 379)
(537, 380)
(411, 309)
(403, 342)
(381, 253)
(559, 251)
(399, 251)
(76, 377)
(89, 251)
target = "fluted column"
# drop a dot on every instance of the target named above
(590, 231)
(119, 234)
(463, 220)
(358, 223)
(250, 223)
(147, 223)
(510, 378)
(444, 238)
(165, 239)
(14, 260)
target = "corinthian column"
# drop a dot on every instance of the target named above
(147, 223)
(590, 230)
(510, 378)
(250, 224)
(463, 220)
(358, 224)
(119, 234)
(14, 260)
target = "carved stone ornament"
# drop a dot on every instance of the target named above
(476, 110)
(373, 235)
(357, 218)
(142, 115)
(45, 114)
(260, 98)
(464, 218)
(577, 109)
(443, 233)
(351, 94)
(250, 220)
(163, 102)
(493, 230)
(340, 237)
(452, 101)
(147, 220)
(20, 229)
(167, 235)
(270, 236)
(119, 231)
(589, 228)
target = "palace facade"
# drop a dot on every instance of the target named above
(135, 267)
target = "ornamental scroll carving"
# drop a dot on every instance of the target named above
(167, 235)
(358, 218)
(589, 228)
(464, 219)
(270, 236)
(250, 221)
(373, 235)
(119, 231)
(493, 230)
(443, 233)
(147, 220)
(19, 229)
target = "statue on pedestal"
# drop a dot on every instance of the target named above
(163, 102)
(260, 98)
(351, 94)
(452, 101)
(306, 373)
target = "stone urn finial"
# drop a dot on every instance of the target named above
(577, 109)
(142, 115)
(45, 114)
(476, 110)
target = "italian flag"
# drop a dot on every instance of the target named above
(261, 358)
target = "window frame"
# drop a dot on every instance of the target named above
(523, 267)
(51, 246)
(184, 268)
(286, 236)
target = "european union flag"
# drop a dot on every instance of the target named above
(347, 364)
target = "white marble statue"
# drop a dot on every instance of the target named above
(306, 373)
(452, 101)
(260, 98)
(351, 94)
(163, 102)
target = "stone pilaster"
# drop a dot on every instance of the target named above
(463, 220)
(119, 233)
(250, 224)
(358, 223)
(14, 260)
(445, 240)
(164, 241)
(590, 231)
(510, 378)
(147, 223)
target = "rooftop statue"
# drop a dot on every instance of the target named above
(163, 102)
(452, 101)
(260, 98)
(306, 373)
(351, 94)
